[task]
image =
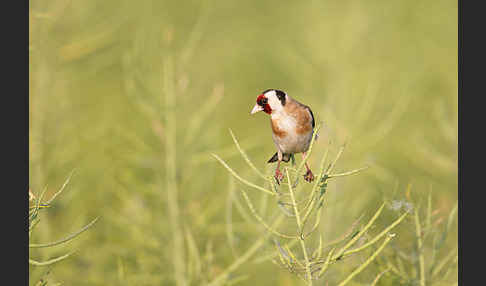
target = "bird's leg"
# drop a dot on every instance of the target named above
(309, 177)
(278, 174)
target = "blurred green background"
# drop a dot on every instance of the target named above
(381, 76)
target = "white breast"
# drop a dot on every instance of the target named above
(286, 123)
(291, 142)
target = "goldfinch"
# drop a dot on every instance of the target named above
(292, 127)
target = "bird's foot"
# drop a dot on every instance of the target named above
(309, 177)
(278, 176)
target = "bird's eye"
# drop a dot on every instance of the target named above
(262, 101)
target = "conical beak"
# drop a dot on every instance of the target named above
(256, 108)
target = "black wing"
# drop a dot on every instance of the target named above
(312, 115)
(285, 158)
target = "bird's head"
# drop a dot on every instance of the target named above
(271, 100)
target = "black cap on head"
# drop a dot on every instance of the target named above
(280, 95)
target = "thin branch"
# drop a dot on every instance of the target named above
(62, 189)
(247, 159)
(300, 230)
(259, 218)
(240, 178)
(379, 276)
(368, 261)
(358, 236)
(49, 262)
(327, 262)
(66, 239)
(418, 232)
(376, 238)
(347, 173)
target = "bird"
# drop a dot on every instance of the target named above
(292, 126)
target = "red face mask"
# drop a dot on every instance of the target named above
(263, 102)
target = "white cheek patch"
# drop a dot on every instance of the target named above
(273, 101)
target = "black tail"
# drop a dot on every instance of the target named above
(285, 158)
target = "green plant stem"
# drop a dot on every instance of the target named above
(327, 263)
(66, 239)
(218, 280)
(439, 267)
(312, 199)
(313, 194)
(347, 173)
(421, 260)
(358, 236)
(316, 224)
(33, 213)
(240, 178)
(368, 261)
(61, 189)
(229, 217)
(49, 262)
(376, 238)
(379, 276)
(300, 230)
(259, 218)
(247, 159)
(170, 167)
(333, 164)
(199, 117)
